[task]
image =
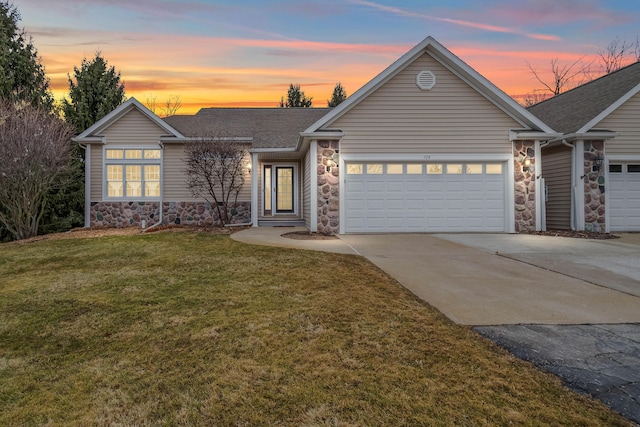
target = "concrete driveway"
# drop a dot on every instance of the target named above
(507, 279)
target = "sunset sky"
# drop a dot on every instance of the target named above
(244, 53)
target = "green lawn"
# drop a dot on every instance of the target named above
(187, 328)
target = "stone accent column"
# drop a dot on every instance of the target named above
(525, 186)
(594, 188)
(328, 189)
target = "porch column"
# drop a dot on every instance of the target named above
(578, 190)
(540, 193)
(313, 186)
(255, 170)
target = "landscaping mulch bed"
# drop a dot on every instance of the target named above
(306, 235)
(576, 234)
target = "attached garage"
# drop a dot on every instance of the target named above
(624, 196)
(425, 197)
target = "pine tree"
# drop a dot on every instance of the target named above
(339, 95)
(97, 91)
(22, 75)
(295, 98)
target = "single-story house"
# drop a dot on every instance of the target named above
(592, 172)
(428, 145)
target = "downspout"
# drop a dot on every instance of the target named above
(161, 206)
(87, 184)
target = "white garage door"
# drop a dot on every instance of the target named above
(431, 197)
(624, 196)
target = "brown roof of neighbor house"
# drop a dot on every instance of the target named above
(571, 110)
(269, 127)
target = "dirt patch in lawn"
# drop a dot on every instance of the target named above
(307, 235)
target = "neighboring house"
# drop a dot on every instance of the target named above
(428, 145)
(592, 172)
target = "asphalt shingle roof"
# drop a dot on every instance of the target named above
(269, 127)
(571, 110)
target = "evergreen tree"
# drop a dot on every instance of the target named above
(339, 95)
(22, 75)
(97, 90)
(295, 98)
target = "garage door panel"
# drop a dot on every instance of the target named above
(624, 200)
(424, 202)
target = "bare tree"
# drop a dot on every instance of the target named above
(616, 55)
(636, 49)
(215, 172)
(35, 153)
(537, 95)
(565, 76)
(171, 106)
(152, 103)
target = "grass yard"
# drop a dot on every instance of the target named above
(187, 328)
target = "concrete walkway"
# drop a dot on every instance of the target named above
(272, 236)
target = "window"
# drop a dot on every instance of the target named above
(354, 169)
(394, 169)
(434, 169)
(414, 169)
(494, 169)
(374, 169)
(633, 168)
(454, 169)
(474, 169)
(615, 168)
(132, 173)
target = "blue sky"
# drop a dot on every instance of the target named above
(245, 53)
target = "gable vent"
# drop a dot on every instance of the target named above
(426, 80)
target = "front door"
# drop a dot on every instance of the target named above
(279, 189)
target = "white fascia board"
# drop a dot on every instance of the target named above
(623, 158)
(90, 140)
(122, 109)
(322, 135)
(597, 119)
(272, 150)
(517, 135)
(587, 136)
(390, 158)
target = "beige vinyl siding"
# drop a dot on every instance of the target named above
(556, 170)
(134, 128)
(626, 121)
(175, 188)
(306, 188)
(96, 173)
(400, 118)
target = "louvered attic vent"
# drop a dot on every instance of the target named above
(426, 80)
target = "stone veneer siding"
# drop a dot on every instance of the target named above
(131, 214)
(328, 189)
(525, 187)
(594, 188)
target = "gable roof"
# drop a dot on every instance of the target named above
(268, 127)
(452, 63)
(579, 109)
(93, 132)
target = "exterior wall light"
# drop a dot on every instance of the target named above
(330, 164)
(527, 166)
(597, 163)
(249, 165)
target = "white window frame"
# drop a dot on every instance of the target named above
(130, 162)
